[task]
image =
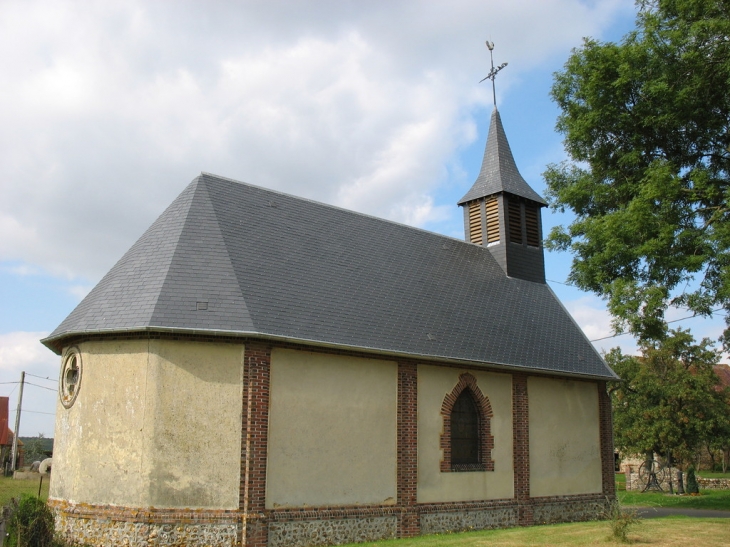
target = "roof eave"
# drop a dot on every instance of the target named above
(53, 343)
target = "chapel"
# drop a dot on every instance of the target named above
(265, 370)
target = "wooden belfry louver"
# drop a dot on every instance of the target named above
(502, 212)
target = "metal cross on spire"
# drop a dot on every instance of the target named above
(492, 73)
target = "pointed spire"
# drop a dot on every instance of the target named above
(499, 172)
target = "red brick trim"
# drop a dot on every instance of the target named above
(605, 420)
(326, 512)
(158, 515)
(407, 477)
(521, 448)
(486, 463)
(150, 515)
(256, 376)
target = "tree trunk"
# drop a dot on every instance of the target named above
(712, 457)
(680, 482)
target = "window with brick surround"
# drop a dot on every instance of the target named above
(466, 440)
(465, 430)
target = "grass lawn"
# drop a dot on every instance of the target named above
(665, 531)
(709, 499)
(710, 475)
(620, 482)
(12, 488)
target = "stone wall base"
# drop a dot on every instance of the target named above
(459, 521)
(569, 509)
(114, 526)
(331, 531)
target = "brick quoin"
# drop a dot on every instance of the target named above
(605, 419)
(256, 376)
(407, 476)
(521, 448)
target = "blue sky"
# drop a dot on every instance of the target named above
(113, 107)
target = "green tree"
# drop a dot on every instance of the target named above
(668, 402)
(646, 124)
(34, 450)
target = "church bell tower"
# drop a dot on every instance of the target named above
(501, 211)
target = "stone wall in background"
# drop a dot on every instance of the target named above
(634, 483)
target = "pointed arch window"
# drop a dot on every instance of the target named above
(466, 441)
(465, 430)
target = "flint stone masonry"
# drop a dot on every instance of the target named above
(458, 521)
(711, 484)
(115, 526)
(569, 511)
(92, 531)
(331, 532)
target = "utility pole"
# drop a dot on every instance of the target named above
(17, 423)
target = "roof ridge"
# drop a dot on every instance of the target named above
(339, 208)
(209, 263)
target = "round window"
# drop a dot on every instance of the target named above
(70, 377)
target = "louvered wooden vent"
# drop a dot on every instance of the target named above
(475, 222)
(515, 221)
(532, 226)
(492, 220)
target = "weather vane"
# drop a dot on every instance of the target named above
(492, 73)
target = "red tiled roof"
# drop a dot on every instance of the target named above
(6, 435)
(723, 373)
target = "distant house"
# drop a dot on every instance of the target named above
(723, 373)
(264, 369)
(6, 439)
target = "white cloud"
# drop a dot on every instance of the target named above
(591, 315)
(22, 351)
(109, 108)
(79, 291)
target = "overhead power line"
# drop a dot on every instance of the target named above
(672, 321)
(42, 377)
(34, 412)
(43, 387)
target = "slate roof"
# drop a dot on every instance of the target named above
(271, 265)
(499, 172)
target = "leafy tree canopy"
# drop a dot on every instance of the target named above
(670, 400)
(646, 124)
(35, 449)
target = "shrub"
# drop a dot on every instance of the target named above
(692, 486)
(30, 523)
(621, 519)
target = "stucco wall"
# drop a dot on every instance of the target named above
(434, 383)
(196, 446)
(100, 443)
(143, 431)
(565, 448)
(332, 430)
